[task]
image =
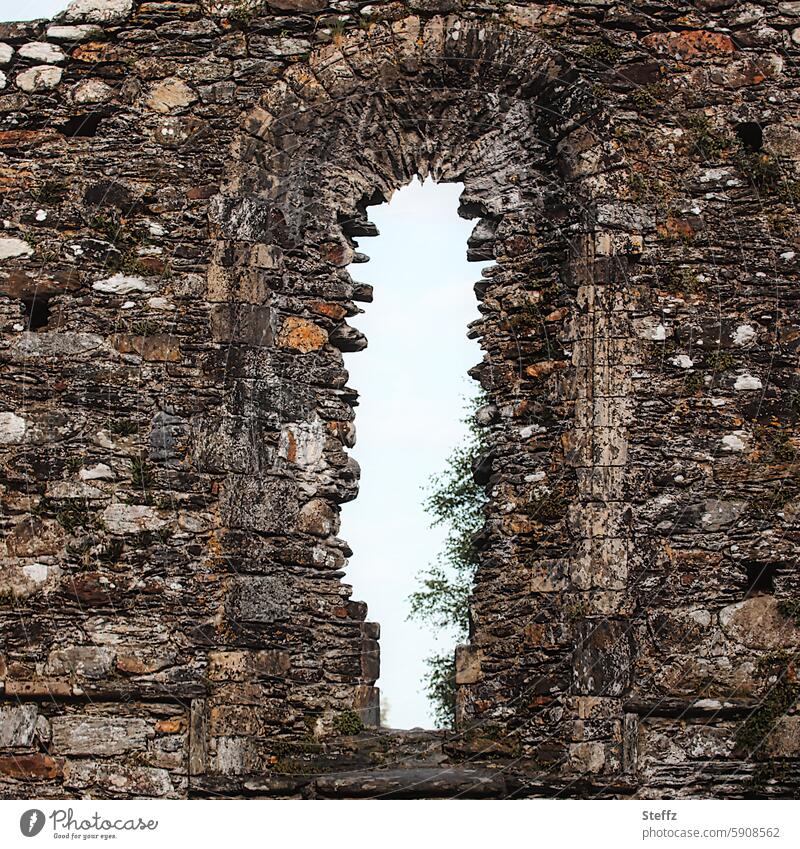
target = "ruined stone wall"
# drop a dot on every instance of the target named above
(182, 187)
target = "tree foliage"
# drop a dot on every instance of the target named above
(456, 502)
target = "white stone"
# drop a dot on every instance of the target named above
(57, 343)
(789, 255)
(160, 304)
(6, 52)
(743, 335)
(92, 91)
(41, 51)
(302, 443)
(41, 215)
(98, 472)
(12, 428)
(3, 81)
(682, 361)
(131, 518)
(67, 490)
(82, 32)
(98, 11)
(39, 78)
(36, 572)
(14, 247)
(747, 382)
(122, 284)
(656, 333)
(734, 441)
(169, 95)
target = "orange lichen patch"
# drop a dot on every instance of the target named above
(545, 368)
(689, 44)
(171, 726)
(100, 51)
(30, 767)
(335, 311)
(676, 228)
(291, 446)
(557, 315)
(302, 335)
(14, 139)
(158, 349)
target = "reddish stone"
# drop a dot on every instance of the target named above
(335, 311)
(50, 687)
(157, 349)
(689, 44)
(36, 767)
(26, 284)
(545, 368)
(202, 192)
(15, 139)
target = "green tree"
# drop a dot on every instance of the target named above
(455, 502)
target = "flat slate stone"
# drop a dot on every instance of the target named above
(424, 782)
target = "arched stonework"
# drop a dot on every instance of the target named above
(510, 118)
(181, 193)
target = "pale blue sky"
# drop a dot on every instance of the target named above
(30, 10)
(412, 381)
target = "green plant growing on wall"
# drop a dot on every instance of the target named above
(780, 697)
(710, 142)
(455, 502)
(348, 722)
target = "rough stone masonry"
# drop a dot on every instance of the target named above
(182, 185)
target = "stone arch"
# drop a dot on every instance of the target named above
(514, 121)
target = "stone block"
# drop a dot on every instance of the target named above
(17, 725)
(99, 735)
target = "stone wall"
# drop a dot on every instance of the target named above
(182, 187)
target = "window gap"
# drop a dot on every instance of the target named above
(750, 135)
(37, 312)
(413, 390)
(760, 578)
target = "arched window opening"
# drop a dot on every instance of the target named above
(413, 387)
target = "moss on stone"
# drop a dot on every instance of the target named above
(348, 723)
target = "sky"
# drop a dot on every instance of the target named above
(412, 381)
(30, 10)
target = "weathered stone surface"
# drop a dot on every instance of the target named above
(31, 767)
(39, 78)
(81, 32)
(17, 725)
(170, 96)
(424, 783)
(758, 623)
(99, 735)
(131, 518)
(689, 44)
(41, 51)
(301, 335)
(91, 91)
(122, 284)
(12, 428)
(13, 247)
(80, 662)
(117, 779)
(179, 209)
(98, 11)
